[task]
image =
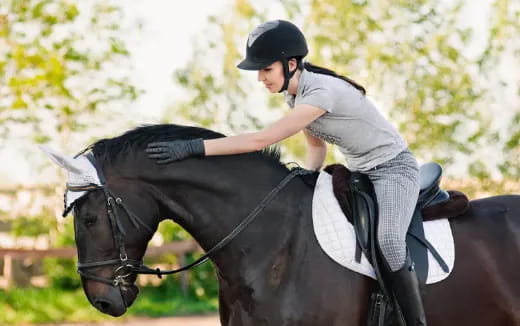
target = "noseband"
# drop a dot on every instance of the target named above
(126, 266)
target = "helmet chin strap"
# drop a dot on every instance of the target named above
(287, 74)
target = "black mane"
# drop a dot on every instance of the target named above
(108, 149)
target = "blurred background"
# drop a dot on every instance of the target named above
(446, 73)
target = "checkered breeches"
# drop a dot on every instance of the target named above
(396, 184)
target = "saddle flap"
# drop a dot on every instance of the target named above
(337, 237)
(363, 208)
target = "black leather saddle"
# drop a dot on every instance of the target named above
(364, 214)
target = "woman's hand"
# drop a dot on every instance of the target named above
(175, 150)
(296, 120)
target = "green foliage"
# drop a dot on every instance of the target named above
(51, 305)
(65, 233)
(172, 231)
(476, 188)
(32, 226)
(218, 96)
(203, 284)
(422, 76)
(51, 71)
(64, 301)
(62, 273)
(511, 165)
(44, 305)
(167, 300)
(412, 57)
(54, 58)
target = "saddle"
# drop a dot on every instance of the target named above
(356, 197)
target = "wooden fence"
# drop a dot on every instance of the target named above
(178, 248)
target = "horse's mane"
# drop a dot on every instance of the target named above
(108, 149)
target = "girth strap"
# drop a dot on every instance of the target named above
(432, 250)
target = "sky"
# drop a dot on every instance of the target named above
(164, 45)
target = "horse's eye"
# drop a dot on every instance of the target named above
(90, 220)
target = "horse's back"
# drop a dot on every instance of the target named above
(492, 222)
(484, 278)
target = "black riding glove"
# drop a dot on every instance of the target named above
(170, 151)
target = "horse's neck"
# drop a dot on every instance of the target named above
(210, 200)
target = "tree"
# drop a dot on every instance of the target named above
(58, 63)
(413, 58)
(54, 55)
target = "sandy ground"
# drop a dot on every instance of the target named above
(167, 321)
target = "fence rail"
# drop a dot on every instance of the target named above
(178, 248)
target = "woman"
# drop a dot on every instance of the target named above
(328, 108)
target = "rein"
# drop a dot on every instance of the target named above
(127, 266)
(239, 228)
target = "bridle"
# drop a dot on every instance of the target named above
(125, 266)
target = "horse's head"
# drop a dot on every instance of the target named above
(113, 224)
(116, 216)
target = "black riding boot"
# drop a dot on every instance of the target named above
(405, 286)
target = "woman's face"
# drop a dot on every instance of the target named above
(272, 76)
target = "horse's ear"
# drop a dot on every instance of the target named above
(66, 162)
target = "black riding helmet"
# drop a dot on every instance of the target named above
(272, 41)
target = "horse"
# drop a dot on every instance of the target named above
(272, 271)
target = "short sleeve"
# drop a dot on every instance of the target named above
(318, 96)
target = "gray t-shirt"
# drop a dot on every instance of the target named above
(351, 122)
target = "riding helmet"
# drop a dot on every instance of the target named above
(272, 41)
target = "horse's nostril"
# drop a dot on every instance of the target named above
(102, 305)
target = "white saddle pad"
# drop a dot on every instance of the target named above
(337, 236)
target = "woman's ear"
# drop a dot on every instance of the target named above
(293, 64)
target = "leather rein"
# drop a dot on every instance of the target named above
(127, 266)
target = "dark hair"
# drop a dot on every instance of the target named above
(320, 70)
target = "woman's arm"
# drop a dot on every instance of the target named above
(296, 120)
(316, 151)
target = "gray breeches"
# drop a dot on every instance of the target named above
(396, 184)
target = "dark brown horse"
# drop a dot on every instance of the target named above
(274, 272)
